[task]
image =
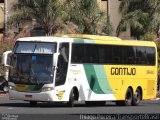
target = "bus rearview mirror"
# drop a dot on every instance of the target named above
(5, 58)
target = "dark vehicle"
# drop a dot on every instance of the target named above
(3, 84)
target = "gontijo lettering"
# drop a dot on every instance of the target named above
(123, 71)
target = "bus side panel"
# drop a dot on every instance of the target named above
(93, 82)
(148, 81)
(121, 77)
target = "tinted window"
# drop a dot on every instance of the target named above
(62, 64)
(140, 55)
(78, 53)
(105, 54)
(91, 53)
(117, 53)
(113, 54)
(150, 56)
(129, 54)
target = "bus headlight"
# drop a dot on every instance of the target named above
(11, 87)
(46, 89)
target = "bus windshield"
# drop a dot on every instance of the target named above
(32, 63)
(31, 69)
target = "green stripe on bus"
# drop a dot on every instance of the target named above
(79, 40)
(97, 79)
(102, 78)
(92, 79)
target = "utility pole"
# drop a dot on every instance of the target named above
(5, 19)
(107, 2)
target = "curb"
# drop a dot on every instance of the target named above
(155, 99)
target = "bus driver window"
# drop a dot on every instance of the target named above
(62, 64)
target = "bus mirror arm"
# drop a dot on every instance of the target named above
(55, 67)
(55, 59)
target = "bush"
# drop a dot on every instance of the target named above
(149, 37)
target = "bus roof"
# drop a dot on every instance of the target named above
(45, 39)
(93, 39)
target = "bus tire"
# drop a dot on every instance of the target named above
(72, 98)
(137, 97)
(128, 99)
(33, 103)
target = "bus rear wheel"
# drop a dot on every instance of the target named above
(128, 99)
(137, 98)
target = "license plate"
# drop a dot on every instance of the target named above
(28, 96)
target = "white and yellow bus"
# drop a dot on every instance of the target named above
(87, 68)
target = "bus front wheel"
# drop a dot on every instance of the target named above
(72, 98)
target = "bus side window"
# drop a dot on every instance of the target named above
(117, 54)
(62, 64)
(77, 53)
(150, 55)
(116, 59)
(91, 53)
(140, 53)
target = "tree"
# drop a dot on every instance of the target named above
(69, 16)
(142, 16)
(48, 13)
(87, 15)
(154, 18)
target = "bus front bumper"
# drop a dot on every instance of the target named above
(29, 96)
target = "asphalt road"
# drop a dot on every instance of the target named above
(19, 110)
